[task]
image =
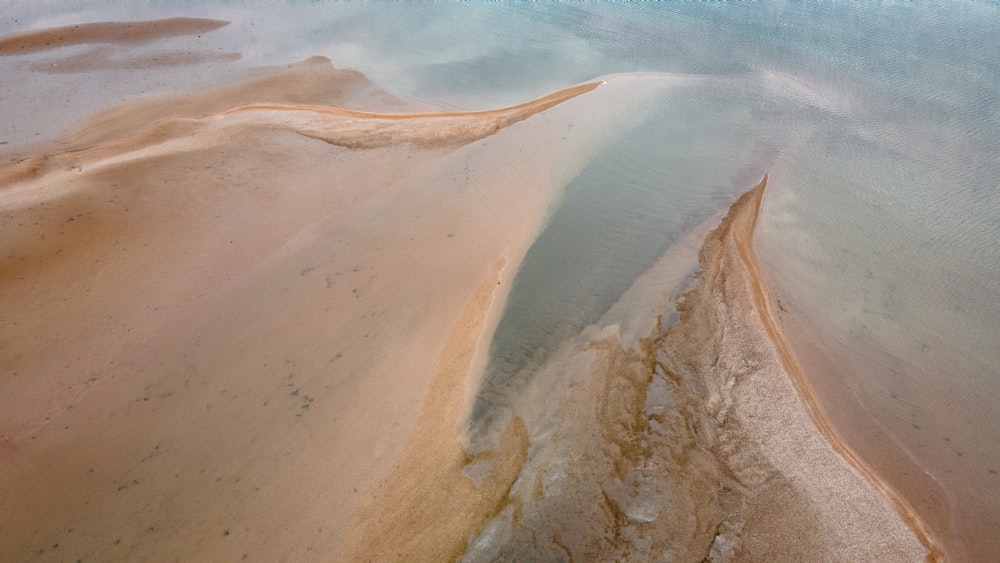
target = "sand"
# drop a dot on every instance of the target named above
(248, 323)
(690, 445)
(742, 231)
(218, 330)
(923, 500)
(121, 33)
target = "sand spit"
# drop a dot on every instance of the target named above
(772, 323)
(218, 332)
(110, 58)
(692, 445)
(428, 508)
(360, 129)
(126, 33)
(132, 135)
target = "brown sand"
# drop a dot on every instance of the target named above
(109, 62)
(217, 332)
(926, 493)
(922, 499)
(691, 446)
(104, 32)
(428, 508)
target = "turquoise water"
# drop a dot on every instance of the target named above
(878, 125)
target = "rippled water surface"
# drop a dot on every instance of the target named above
(878, 125)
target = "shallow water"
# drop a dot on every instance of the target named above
(877, 124)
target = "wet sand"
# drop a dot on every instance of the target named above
(249, 323)
(218, 330)
(121, 33)
(920, 498)
(690, 445)
(109, 38)
(742, 239)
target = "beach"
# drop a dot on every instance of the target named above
(258, 321)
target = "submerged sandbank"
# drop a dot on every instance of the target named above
(742, 239)
(921, 499)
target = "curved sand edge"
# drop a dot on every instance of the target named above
(334, 125)
(754, 478)
(377, 128)
(742, 234)
(428, 508)
(235, 312)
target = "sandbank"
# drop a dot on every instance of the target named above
(920, 499)
(692, 444)
(126, 33)
(244, 323)
(742, 240)
(218, 331)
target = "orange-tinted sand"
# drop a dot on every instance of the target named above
(217, 330)
(245, 324)
(771, 322)
(104, 32)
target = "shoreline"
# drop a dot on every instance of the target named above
(768, 318)
(427, 507)
(338, 126)
(700, 420)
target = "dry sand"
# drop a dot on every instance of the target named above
(217, 330)
(246, 323)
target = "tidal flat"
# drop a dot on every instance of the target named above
(371, 289)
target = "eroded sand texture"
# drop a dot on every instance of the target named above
(692, 445)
